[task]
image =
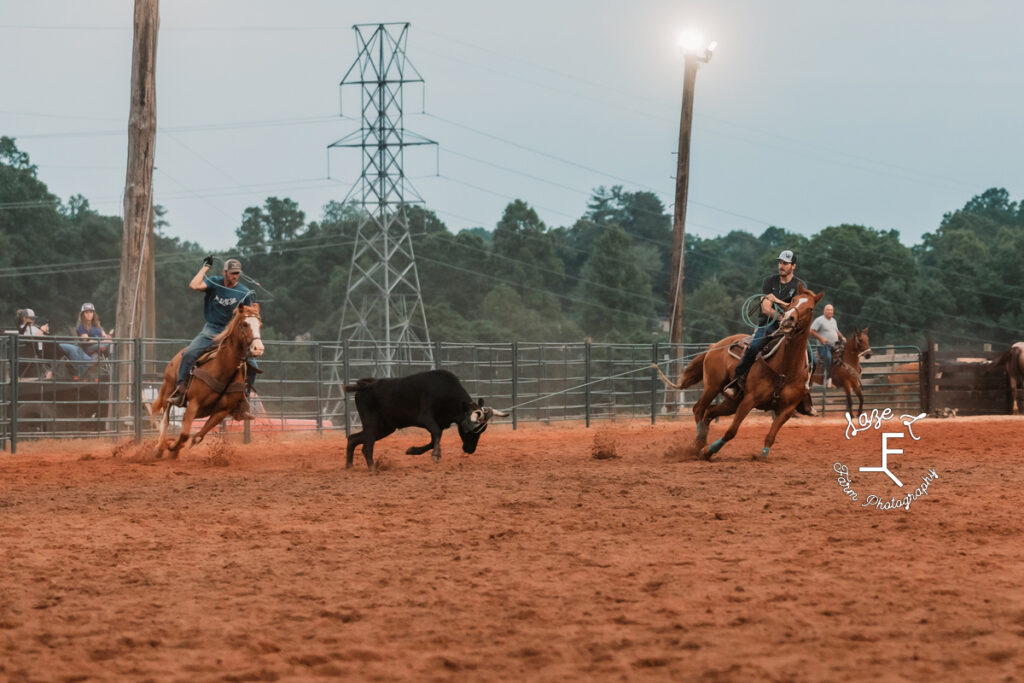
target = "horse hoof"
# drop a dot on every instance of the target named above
(436, 458)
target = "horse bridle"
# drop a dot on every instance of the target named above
(796, 325)
(867, 349)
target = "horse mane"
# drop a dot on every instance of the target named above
(221, 337)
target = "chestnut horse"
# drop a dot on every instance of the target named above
(218, 386)
(1013, 362)
(845, 370)
(716, 365)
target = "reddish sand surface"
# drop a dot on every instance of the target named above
(531, 559)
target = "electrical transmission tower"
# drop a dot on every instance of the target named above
(383, 323)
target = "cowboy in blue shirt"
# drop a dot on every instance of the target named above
(223, 295)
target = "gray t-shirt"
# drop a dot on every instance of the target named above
(827, 328)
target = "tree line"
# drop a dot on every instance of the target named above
(604, 278)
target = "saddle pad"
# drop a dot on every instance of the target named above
(217, 385)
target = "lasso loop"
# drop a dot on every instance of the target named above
(749, 305)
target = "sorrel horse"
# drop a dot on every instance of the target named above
(217, 386)
(1013, 362)
(845, 370)
(778, 383)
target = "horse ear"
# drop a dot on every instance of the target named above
(818, 297)
(865, 330)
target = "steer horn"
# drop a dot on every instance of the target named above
(495, 411)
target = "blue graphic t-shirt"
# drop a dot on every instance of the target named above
(221, 302)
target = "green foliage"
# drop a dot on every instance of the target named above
(604, 277)
(614, 291)
(524, 252)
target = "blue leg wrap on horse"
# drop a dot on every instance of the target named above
(716, 446)
(765, 451)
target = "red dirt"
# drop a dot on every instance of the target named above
(531, 559)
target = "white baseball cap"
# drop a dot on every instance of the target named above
(29, 313)
(787, 256)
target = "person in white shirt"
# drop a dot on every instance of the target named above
(826, 330)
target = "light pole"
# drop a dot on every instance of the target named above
(695, 52)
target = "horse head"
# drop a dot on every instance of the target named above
(249, 322)
(800, 312)
(863, 343)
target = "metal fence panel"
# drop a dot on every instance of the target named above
(42, 394)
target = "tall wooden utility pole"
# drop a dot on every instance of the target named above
(137, 238)
(693, 60)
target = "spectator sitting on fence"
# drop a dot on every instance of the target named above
(50, 351)
(89, 327)
(28, 328)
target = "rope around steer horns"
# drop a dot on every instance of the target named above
(475, 426)
(647, 367)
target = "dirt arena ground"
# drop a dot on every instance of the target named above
(531, 560)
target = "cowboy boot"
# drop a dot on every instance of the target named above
(734, 389)
(177, 397)
(241, 411)
(806, 406)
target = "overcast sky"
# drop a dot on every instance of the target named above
(811, 113)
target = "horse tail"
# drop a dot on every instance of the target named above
(360, 385)
(1004, 360)
(694, 372)
(664, 379)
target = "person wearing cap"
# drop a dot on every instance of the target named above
(775, 289)
(89, 328)
(223, 294)
(49, 352)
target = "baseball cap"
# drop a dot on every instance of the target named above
(29, 313)
(232, 265)
(787, 256)
(88, 307)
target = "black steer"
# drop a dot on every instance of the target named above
(432, 400)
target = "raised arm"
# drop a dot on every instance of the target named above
(198, 282)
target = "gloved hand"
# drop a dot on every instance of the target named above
(208, 261)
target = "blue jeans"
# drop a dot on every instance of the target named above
(202, 342)
(78, 357)
(756, 344)
(825, 353)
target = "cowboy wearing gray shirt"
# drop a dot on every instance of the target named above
(826, 330)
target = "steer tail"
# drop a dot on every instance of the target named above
(693, 373)
(360, 385)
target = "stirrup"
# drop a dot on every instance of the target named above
(733, 389)
(177, 397)
(806, 406)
